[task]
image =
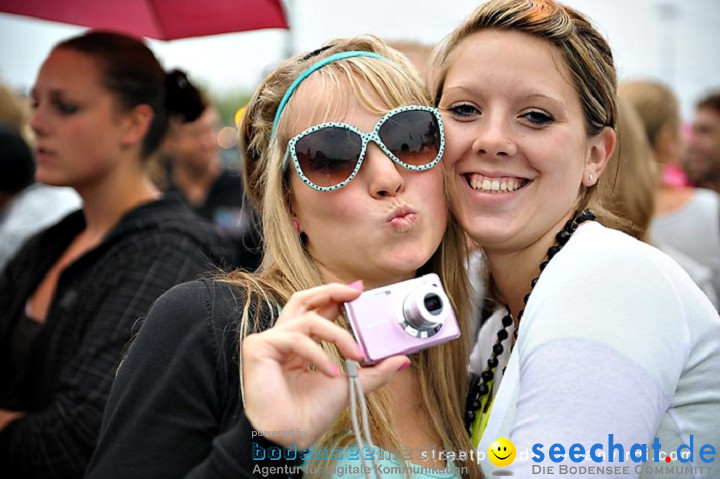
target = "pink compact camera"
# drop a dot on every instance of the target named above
(402, 318)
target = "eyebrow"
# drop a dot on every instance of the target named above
(527, 96)
(547, 97)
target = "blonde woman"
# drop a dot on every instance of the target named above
(598, 339)
(198, 388)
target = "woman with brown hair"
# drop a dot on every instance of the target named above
(595, 333)
(70, 297)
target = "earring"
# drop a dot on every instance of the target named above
(296, 225)
(590, 177)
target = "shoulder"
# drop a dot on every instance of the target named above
(169, 223)
(213, 307)
(708, 197)
(608, 287)
(596, 254)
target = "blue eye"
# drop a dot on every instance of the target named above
(463, 110)
(537, 117)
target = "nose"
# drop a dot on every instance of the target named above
(494, 138)
(383, 177)
(37, 121)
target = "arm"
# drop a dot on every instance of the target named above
(6, 417)
(165, 414)
(600, 352)
(174, 393)
(57, 440)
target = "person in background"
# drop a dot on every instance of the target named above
(13, 112)
(26, 207)
(69, 298)
(703, 155)
(196, 175)
(686, 219)
(595, 333)
(629, 185)
(342, 160)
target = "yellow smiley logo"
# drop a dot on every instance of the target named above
(501, 452)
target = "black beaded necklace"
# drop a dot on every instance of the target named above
(478, 399)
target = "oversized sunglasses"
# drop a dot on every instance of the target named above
(327, 156)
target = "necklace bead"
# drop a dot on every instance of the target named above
(478, 386)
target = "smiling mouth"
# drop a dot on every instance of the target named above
(485, 184)
(501, 458)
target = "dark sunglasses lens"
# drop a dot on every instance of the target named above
(412, 136)
(328, 157)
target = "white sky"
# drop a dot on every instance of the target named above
(683, 51)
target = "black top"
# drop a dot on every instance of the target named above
(175, 409)
(97, 300)
(227, 208)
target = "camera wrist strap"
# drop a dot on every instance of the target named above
(356, 395)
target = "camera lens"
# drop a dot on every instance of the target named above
(433, 304)
(424, 312)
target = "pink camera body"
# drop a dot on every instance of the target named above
(402, 318)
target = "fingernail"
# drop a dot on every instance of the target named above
(357, 285)
(334, 369)
(360, 351)
(404, 365)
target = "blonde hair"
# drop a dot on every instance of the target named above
(12, 112)
(287, 266)
(588, 57)
(631, 189)
(655, 103)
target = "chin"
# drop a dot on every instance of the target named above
(404, 265)
(49, 180)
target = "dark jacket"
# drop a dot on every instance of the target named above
(175, 410)
(65, 381)
(226, 207)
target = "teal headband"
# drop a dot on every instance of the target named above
(309, 71)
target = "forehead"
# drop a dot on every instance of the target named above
(510, 62)
(318, 100)
(69, 69)
(707, 115)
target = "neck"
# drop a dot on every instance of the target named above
(513, 271)
(107, 200)
(329, 276)
(185, 174)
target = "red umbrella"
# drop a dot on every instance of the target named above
(161, 19)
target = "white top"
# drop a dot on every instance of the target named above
(35, 208)
(615, 339)
(694, 230)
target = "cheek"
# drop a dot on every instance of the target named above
(559, 158)
(318, 211)
(431, 191)
(456, 141)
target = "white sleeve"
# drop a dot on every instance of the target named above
(579, 392)
(601, 348)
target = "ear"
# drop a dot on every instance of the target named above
(136, 124)
(600, 148)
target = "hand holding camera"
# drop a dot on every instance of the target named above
(275, 365)
(402, 318)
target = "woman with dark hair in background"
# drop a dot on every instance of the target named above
(69, 298)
